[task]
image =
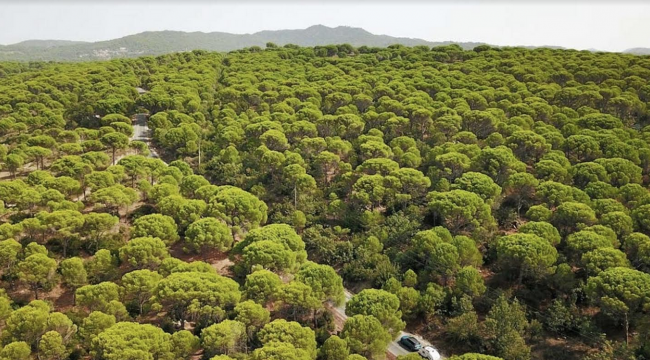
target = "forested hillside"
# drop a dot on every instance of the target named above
(493, 201)
(151, 43)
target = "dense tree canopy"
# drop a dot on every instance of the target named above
(488, 199)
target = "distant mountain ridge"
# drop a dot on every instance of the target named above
(638, 51)
(161, 42)
(46, 43)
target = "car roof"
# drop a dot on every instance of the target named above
(412, 339)
(430, 353)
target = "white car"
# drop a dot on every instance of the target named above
(429, 353)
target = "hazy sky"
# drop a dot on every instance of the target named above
(581, 24)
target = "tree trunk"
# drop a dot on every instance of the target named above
(295, 197)
(113, 156)
(35, 288)
(627, 330)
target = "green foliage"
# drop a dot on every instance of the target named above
(598, 260)
(420, 171)
(468, 252)
(114, 197)
(51, 346)
(542, 229)
(334, 348)
(380, 304)
(253, 315)
(289, 332)
(97, 297)
(5, 306)
(571, 214)
(280, 351)
(469, 282)
(241, 210)
(138, 286)
(499, 163)
(226, 337)
(180, 290)
(618, 221)
(409, 357)
(184, 344)
(208, 233)
(27, 323)
(156, 226)
(262, 286)
(94, 324)
(506, 324)
(102, 266)
(365, 335)
(221, 357)
(583, 241)
(527, 255)
(269, 255)
(127, 340)
(465, 328)
(473, 356)
(38, 271)
(18, 350)
(479, 184)
(73, 272)
(115, 141)
(620, 292)
(144, 252)
(274, 247)
(460, 210)
(326, 284)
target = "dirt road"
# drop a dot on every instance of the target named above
(141, 132)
